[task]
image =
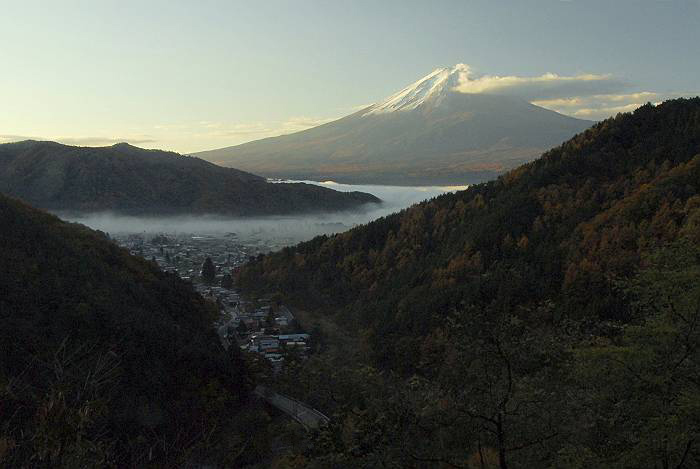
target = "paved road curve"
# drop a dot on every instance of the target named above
(308, 417)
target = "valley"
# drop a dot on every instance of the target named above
(465, 312)
(350, 235)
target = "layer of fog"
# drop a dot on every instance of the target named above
(281, 229)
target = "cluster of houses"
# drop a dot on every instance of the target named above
(185, 254)
(274, 347)
(261, 326)
(266, 329)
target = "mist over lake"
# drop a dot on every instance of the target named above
(287, 229)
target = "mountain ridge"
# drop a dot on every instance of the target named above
(432, 87)
(126, 179)
(425, 134)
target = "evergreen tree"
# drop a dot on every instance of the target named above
(270, 320)
(208, 271)
(227, 281)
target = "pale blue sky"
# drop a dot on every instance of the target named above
(196, 75)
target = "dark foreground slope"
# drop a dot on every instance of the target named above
(550, 318)
(104, 359)
(127, 179)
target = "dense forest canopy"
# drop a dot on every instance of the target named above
(126, 179)
(549, 318)
(104, 359)
(554, 230)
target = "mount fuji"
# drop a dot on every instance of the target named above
(427, 133)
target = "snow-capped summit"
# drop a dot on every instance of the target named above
(431, 89)
(427, 133)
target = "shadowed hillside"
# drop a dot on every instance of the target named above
(550, 230)
(105, 361)
(549, 318)
(127, 179)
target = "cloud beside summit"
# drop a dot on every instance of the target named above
(587, 95)
(546, 86)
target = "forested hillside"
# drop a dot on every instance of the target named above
(105, 361)
(131, 180)
(546, 319)
(554, 230)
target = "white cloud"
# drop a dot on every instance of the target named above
(602, 106)
(578, 102)
(546, 86)
(600, 113)
(587, 96)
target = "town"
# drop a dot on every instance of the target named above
(262, 325)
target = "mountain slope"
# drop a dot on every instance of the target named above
(558, 232)
(105, 361)
(425, 134)
(127, 179)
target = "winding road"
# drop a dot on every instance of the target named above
(308, 417)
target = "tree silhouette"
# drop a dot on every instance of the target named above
(208, 271)
(227, 281)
